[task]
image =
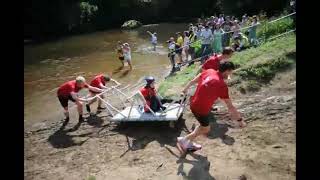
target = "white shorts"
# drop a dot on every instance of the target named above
(127, 57)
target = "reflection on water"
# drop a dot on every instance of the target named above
(50, 64)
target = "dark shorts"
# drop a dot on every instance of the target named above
(121, 58)
(203, 120)
(191, 50)
(178, 50)
(64, 100)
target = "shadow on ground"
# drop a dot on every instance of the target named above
(63, 138)
(218, 130)
(199, 168)
(125, 73)
(140, 134)
(291, 55)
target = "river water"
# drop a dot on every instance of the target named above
(48, 65)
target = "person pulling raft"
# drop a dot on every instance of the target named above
(100, 82)
(69, 91)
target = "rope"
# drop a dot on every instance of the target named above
(282, 34)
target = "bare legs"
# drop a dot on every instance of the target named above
(130, 65)
(199, 130)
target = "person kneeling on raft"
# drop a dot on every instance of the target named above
(150, 96)
(99, 82)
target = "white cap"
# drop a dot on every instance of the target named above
(80, 79)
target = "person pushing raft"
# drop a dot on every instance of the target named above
(210, 87)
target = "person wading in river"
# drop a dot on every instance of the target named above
(127, 54)
(210, 87)
(154, 39)
(99, 82)
(68, 91)
(120, 53)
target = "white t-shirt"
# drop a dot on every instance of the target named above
(127, 54)
(172, 47)
(154, 39)
(220, 20)
(194, 29)
(186, 41)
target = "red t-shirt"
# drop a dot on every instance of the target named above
(147, 94)
(211, 86)
(97, 80)
(212, 63)
(68, 87)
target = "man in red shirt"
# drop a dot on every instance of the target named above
(68, 91)
(150, 96)
(99, 82)
(211, 86)
(213, 61)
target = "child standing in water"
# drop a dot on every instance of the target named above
(120, 53)
(127, 54)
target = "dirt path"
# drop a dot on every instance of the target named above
(264, 150)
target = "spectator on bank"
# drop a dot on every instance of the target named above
(186, 42)
(252, 36)
(217, 39)
(235, 28)
(240, 42)
(172, 53)
(221, 19)
(193, 39)
(179, 46)
(226, 36)
(206, 39)
(244, 20)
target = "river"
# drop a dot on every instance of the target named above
(48, 65)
